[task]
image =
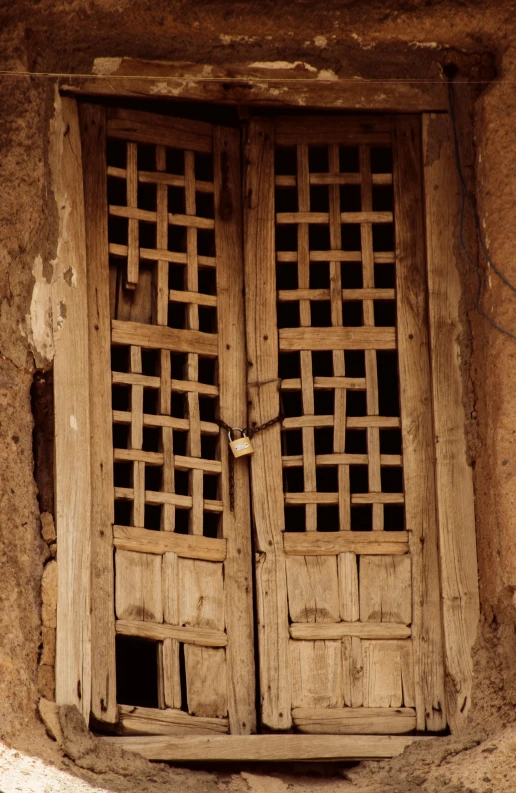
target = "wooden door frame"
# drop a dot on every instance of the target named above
(261, 85)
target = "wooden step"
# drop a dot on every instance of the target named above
(265, 747)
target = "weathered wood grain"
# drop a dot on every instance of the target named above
(457, 545)
(262, 351)
(93, 136)
(71, 416)
(416, 417)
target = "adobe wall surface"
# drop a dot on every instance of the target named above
(370, 39)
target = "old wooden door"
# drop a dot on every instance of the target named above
(347, 581)
(346, 592)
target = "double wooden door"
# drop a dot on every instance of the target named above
(295, 590)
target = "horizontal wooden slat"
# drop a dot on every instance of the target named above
(180, 462)
(148, 216)
(150, 420)
(296, 422)
(265, 748)
(315, 631)
(351, 383)
(159, 177)
(202, 637)
(333, 498)
(355, 721)
(159, 254)
(197, 298)
(188, 546)
(379, 257)
(333, 178)
(368, 338)
(352, 422)
(295, 461)
(378, 498)
(157, 337)
(191, 221)
(158, 497)
(383, 422)
(170, 721)
(319, 543)
(324, 217)
(285, 295)
(151, 128)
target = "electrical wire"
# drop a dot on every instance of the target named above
(466, 198)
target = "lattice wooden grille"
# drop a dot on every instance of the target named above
(335, 270)
(167, 432)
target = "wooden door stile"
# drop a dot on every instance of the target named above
(262, 351)
(416, 419)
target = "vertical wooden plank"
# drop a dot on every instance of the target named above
(385, 589)
(138, 586)
(103, 694)
(316, 669)
(357, 673)
(266, 470)
(206, 677)
(170, 655)
(348, 587)
(313, 593)
(382, 674)
(201, 594)
(457, 543)
(416, 422)
(71, 416)
(232, 367)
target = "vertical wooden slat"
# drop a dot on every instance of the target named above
(192, 285)
(72, 418)
(373, 433)
(339, 369)
(137, 439)
(262, 350)
(168, 511)
(232, 368)
(170, 656)
(457, 545)
(348, 587)
(133, 235)
(416, 420)
(93, 132)
(307, 382)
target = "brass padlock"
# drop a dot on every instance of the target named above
(240, 446)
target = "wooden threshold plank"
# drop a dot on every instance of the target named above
(157, 337)
(265, 747)
(354, 721)
(171, 721)
(335, 542)
(209, 549)
(314, 631)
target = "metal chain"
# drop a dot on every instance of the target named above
(250, 432)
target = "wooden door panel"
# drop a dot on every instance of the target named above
(169, 265)
(335, 288)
